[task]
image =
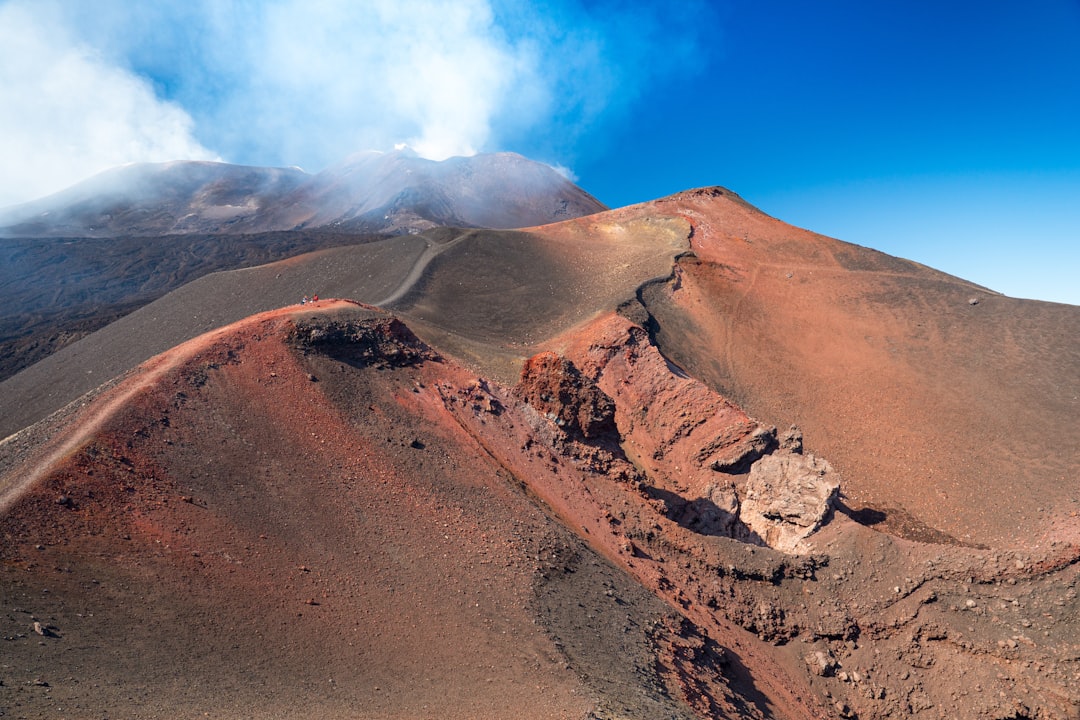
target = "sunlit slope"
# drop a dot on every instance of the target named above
(255, 530)
(502, 289)
(946, 406)
(495, 298)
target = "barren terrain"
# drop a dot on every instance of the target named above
(73, 262)
(393, 193)
(558, 475)
(56, 291)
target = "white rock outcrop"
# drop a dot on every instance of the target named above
(787, 497)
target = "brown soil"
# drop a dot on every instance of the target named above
(493, 298)
(945, 406)
(234, 540)
(543, 511)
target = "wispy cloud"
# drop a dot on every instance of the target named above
(65, 113)
(324, 79)
(306, 82)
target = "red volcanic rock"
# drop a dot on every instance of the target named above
(383, 342)
(554, 387)
(699, 537)
(688, 438)
(564, 495)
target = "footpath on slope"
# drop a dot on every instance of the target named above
(361, 272)
(23, 462)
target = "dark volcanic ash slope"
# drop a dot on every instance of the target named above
(367, 272)
(150, 199)
(77, 260)
(374, 192)
(567, 423)
(57, 290)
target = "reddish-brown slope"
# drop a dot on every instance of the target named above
(224, 539)
(311, 512)
(945, 406)
(679, 556)
(285, 518)
(865, 624)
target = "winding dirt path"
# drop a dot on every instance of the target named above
(72, 434)
(430, 253)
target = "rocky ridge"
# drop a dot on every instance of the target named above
(679, 556)
(887, 628)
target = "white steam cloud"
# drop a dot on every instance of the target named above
(86, 86)
(66, 114)
(430, 74)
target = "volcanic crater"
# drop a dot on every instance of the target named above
(673, 460)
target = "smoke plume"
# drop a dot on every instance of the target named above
(86, 86)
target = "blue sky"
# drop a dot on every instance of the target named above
(943, 132)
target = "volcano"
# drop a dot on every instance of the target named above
(127, 236)
(678, 459)
(372, 192)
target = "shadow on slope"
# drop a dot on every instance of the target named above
(365, 272)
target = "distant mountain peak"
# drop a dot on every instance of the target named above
(371, 192)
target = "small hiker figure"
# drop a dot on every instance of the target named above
(303, 300)
(315, 298)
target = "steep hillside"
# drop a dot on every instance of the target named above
(674, 460)
(945, 405)
(302, 498)
(58, 290)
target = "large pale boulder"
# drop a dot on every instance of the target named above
(787, 497)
